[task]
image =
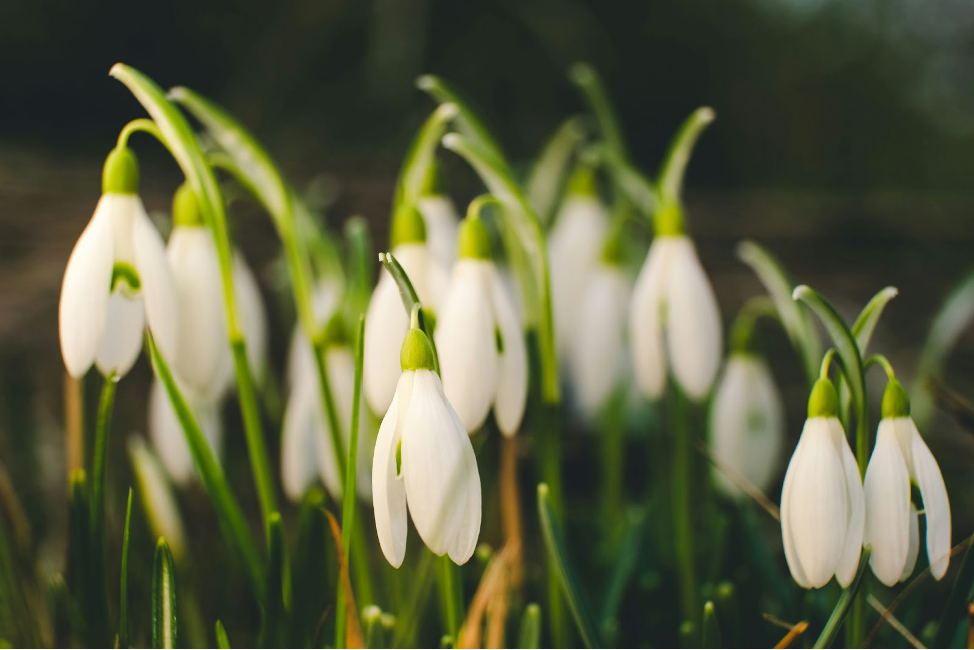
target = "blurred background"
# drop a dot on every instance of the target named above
(844, 142)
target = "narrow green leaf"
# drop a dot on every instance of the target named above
(315, 569)
(798, 326)
(675, 164)
(844, 603)
(549, 172)
(164, 605)
(863, 329)
(406, 291)
(229, 514)
(123, 590)
(961, 593)
(529, 634)
(82, 593)
(711, 627)
(526, 247)
(585, 77)
(253, 161)
(372, 622)
(422, 155)
(222, 640)
(555, 545)
(98, 614)
(274, 626)
(468, 122)
(639, 189)
(622, 567)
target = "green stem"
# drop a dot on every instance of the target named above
(747, 318)
(252, 429)
(451, 595)
(144, 125)
(613, 457)
(96, 525)
(682, 525)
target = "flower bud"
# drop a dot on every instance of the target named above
(408, 227)
(121, 172)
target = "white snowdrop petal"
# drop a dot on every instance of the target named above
(168, 437)
(252, 316)
(158, 290)
(819, 504)
(598, 352)
(914, 548)
(386, 323)
(852, 547)
(300, 365)
(646, 320)
(442, 225)
(388, 490)
(936, 507)
(433, 463)
(466, 343)
(430, 278)
(122, 338)
(887, 492)
(300, 443)
(786, 513)
(83, 307)
(512, 375)
(694, 333)
(466, 538)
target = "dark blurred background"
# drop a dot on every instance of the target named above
(844, 141)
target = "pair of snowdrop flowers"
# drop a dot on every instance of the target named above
(827, 516)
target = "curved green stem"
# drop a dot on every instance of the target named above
(747, 317)
(96, 521)
(674, 166)
(882, 361)
(144, 125)
(588, 81)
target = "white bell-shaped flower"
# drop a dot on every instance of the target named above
(423, 458)
(482, 354)
(899, 460)
(574, 249)
(599, 360)
(166, 433)
(822, 503)
(674, 320)
(747, 422)
(442, 224)
(307, 448)
(117, 280)
(385, 322)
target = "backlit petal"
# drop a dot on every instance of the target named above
(301, 443)
(158, 291)
(442, 224)
(465, 541)
(122, 339)
(856, 522)
(512, 375)
(786, 513)
(168, 438)
(385, 327)
(936, 507)
(887, 492)
(388, 490)
(646, 320)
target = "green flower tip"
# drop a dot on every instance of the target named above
(474, 242)
(582, 181)
(334, 332)
(416, 353)
(669, 219)
(433, 184)
(186, 207)
(408, 227)
(121, 172)
(823, 402)
(896, 401)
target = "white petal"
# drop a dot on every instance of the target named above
(914, 548)
(301, 442)
(252, 315)
(818, 508)
(84, 292)
(158, 290)
(385, 327)
(430, 278)
(466, 343)
(936, 507)
(434, 464)
(167, 434)
(512, 371)
(887, 492)
(122, 339)
(468, 533)
(598, 351)
(693, 327)
(574, 246)
(388, 490)
(300, 366)
(786, 513)
(203, 358)
(442, 225)
(845, 572)
(646, 320)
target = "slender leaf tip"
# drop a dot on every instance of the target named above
(447, 111)
(800, 291)
(452, 141)
(581, 73)
(426, 81)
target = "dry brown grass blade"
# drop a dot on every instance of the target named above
(497, 616)
(493, 581)
(73, 423)
(796, 631)
(893, 621)
(353, 631)
(774, 620)
(740, 481)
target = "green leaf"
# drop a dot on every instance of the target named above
(844, 603)
(274, 626)
(961, 593)
(622, 567)
(547, 178)
(123, 590)
(410, 300)
(638, 188)
(555, 544)
(529, 634)
(711, 627)
(315, 568)
(525, 245)
(158, 500)
(585, 77)
(674, 166)
(798, 326)
(863, 330)
(229, 514)
(164, 606)
(222, 641)
(422, 155)
(84, 593)
(253, 162)
(98, 613)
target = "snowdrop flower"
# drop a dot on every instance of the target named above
(674, 319)
(423, 458)
(117, 279)
(386, 323)
(442, 225)
(307, 449)
(900, 460)
(574, 249)
(479, 340)
(599, 355)
(747, 420)
(822, 504)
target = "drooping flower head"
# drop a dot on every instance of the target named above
(424, 459)
(900, 461)
(117, 280)
(478, 336)
(822, 504)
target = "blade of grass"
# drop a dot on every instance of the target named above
(96, 525)
(711, 627)
(123, 590)
(315, 576)
(274, 622)
(529, 634)
(164, 605)
(844, 603)
(222, 641)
